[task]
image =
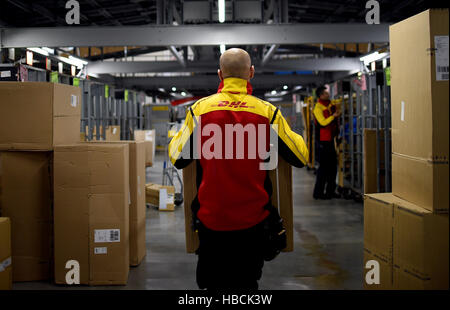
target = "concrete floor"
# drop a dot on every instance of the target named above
(328, 247)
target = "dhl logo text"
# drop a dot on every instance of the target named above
(232, 104)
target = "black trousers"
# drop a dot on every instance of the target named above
(326, 174)
(230, 259)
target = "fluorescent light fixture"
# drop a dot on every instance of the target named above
(285, 87)
(161, 90)
(221, 5)
(384, 63)
(29, 58)
(275, 99)
(60, 67)
(273, 92)
(174, 88)
(77, 61)
(222, 48)
(373, 66)
(375, 56)
(49, 50)
(73, 70)
(183, 93)
(38, 50)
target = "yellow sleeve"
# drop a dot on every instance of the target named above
(292, 142)
(181, 138)
(318, 114)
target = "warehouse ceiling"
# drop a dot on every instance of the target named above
(154, 68)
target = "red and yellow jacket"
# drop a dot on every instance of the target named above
(232, 193)
(323, 113)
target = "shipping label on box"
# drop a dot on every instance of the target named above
(106, 235)
(441, 52)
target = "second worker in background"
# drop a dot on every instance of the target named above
(326, 116)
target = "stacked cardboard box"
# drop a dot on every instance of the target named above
(91, 206)
(149, 136)
(409, 243)
(5, 254)
(113, 133)
(420, 109)
(137, 199)
(415, 255)
(154, 194)
(34, 118)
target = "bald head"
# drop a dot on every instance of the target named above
(236, 62)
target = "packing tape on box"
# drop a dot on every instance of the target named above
(5, 264)
(402, 113)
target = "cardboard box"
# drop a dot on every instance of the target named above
(384, 275)
(412, 240)
(113, 133)
(27, 201)
(421, 245)
(152, 192)
(419, 86)
(38, 116)
(91, 210)
(421, 182)
(5, 254)
(378, 225)
(137, 199)
(150, 137)
(281, 198)
(370, 161)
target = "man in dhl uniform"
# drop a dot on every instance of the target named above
(233, 192)
(326, 114)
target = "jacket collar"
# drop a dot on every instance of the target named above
(235, 86)
(324, 102)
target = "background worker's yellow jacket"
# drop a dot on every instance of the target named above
(232, 192)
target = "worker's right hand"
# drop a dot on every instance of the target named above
(336, 114)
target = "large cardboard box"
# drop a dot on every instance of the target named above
(421, 182)
(149, 136)
(384, 273)
(378, 225)
(137, 199)
(411, 240)
(419, 86)
(91, 205)
(152, 192)
(27, 201)
(5, 254)
(370, 161)
(421, 245)
(282, 199)
(420, 108)
(113, 133)
(38, 116)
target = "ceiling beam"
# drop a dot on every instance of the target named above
(211, 82)
(307, 64)
(195, 35)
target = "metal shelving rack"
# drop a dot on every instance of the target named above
(361, 109)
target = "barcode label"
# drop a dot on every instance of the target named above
(102, 250)
(441, 47)
(107, 235)
(442, 69)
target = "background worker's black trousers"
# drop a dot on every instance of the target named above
(230, 259)
(326, 174)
